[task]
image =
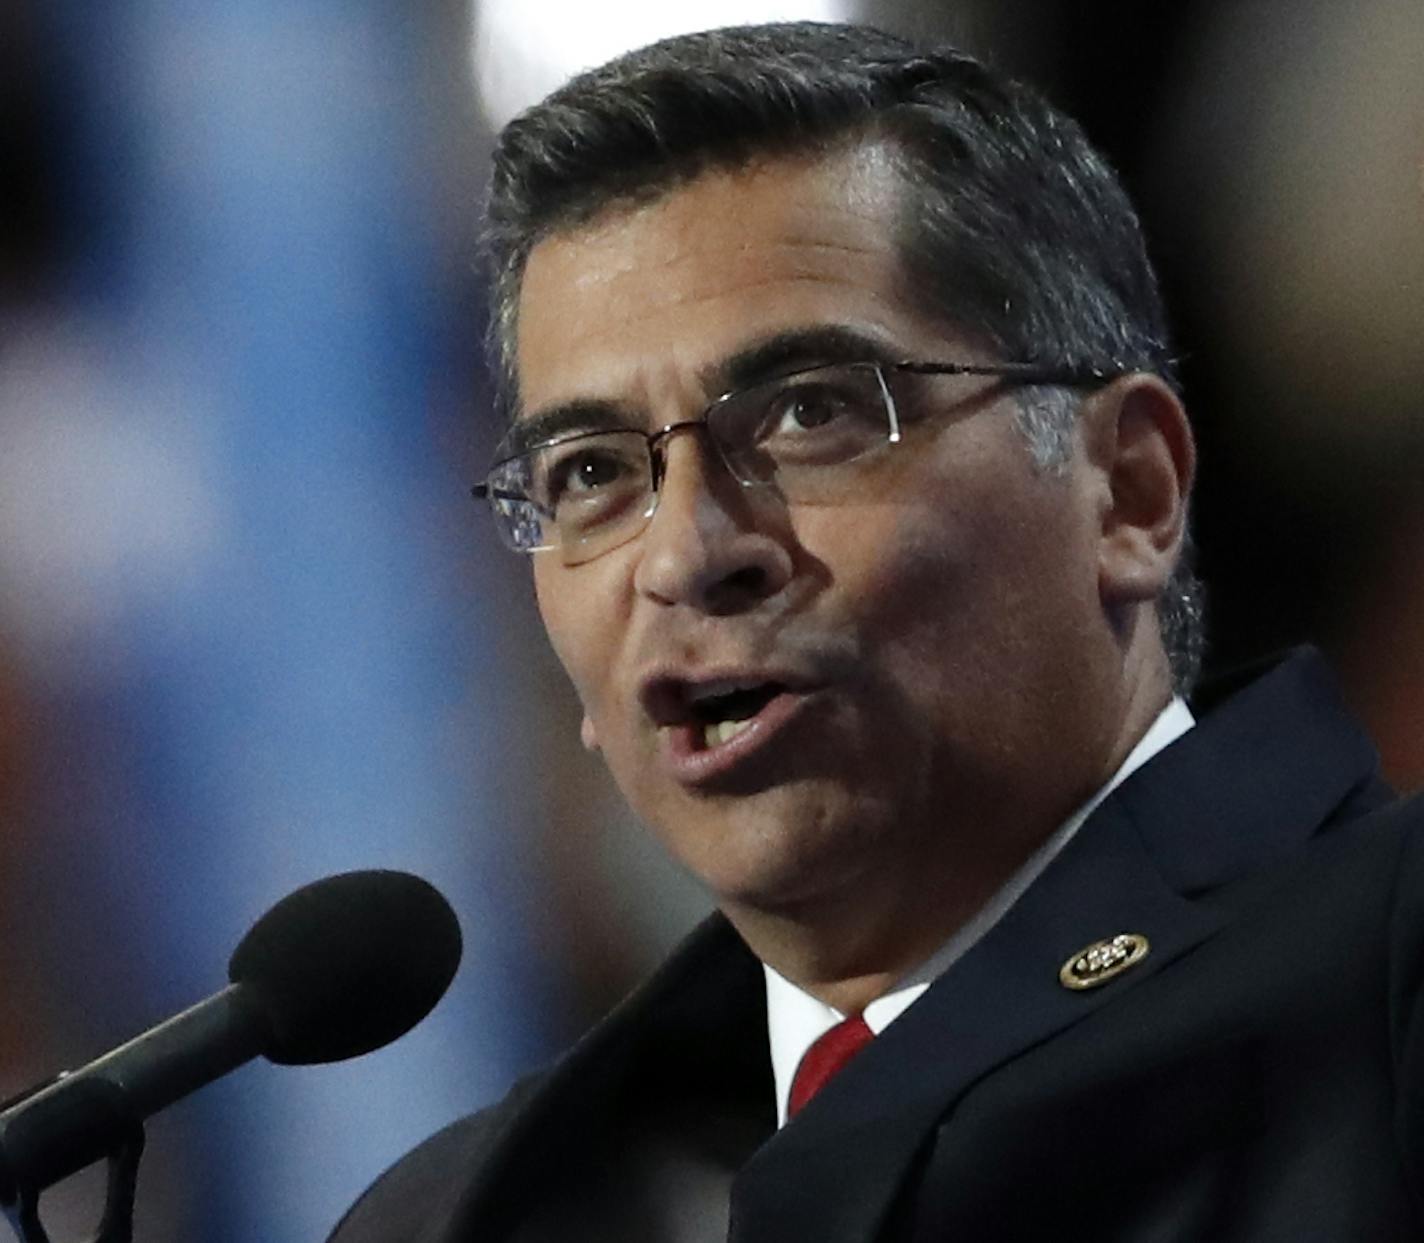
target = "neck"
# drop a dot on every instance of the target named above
(848, 961)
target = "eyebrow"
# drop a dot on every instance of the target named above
(794, 349)
(779, 354)
(566, 419)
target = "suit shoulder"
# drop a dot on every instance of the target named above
(414, 1200)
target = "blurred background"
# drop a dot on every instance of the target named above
(253, 631)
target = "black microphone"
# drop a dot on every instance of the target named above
(336, 969)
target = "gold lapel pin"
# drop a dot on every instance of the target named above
(1097, 963)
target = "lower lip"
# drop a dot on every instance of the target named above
(693, 763)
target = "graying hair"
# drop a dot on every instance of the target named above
(1045, 416)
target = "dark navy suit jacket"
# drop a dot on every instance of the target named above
(1258, 1076)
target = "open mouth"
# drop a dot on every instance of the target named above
(719, 716)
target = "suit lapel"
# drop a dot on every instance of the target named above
(833, 1174)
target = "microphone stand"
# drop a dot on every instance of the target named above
(326, 974)
(96, 1113)
(22, 1211)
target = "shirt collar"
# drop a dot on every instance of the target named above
(795, 1019)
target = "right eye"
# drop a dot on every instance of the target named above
(581, 471)
(583, 483)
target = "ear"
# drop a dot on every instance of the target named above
(587, 735)
(1140, 440)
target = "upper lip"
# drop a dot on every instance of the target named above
(669, 696)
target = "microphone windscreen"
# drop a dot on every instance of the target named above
(347, 964)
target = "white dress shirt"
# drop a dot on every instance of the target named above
(795, 1019)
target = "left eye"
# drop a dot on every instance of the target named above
(806, 407)
(819, 417)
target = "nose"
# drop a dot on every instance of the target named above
(712, 544)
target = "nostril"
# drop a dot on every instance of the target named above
(738, 589)
(750, 579)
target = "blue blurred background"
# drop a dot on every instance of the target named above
(253, 631)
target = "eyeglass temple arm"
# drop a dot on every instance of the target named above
(1026, 373)
(488, 492)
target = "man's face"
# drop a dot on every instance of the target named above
(922, 658)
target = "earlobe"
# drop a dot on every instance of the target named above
(587, 735)
(1143, 444)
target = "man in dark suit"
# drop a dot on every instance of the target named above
(846, 441)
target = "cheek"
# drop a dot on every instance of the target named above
(962, 586)
(887, 561)
(578, 628)
(586, 612)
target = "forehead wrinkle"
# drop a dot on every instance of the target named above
(687, 225)
(873, 310)
(797, 261)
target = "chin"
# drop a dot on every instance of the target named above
(776, 858)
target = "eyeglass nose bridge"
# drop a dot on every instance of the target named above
(657, 450)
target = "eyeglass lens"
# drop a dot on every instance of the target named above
(589, 493)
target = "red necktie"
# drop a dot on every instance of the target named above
(828, 1055)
